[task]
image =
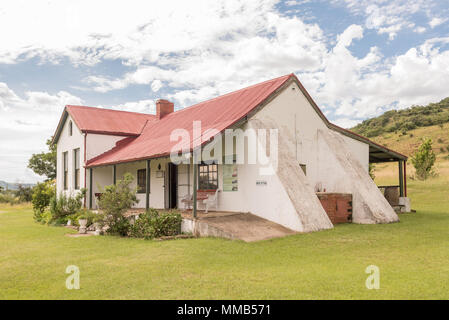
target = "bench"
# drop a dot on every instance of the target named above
(208, 197)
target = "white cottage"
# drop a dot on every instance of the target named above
(95, 147)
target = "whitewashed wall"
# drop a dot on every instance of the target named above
(69, 143)
(97, 144)
(103, 176)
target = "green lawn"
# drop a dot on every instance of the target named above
(413, 257)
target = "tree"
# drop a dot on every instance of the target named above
(424, 159)
(44, 163)
(24, 194)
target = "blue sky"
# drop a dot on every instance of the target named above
(356, 58)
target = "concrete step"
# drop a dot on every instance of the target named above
(242, 226)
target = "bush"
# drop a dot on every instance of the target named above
(153, 224)
(63, 207)
(115, 200)
(42, 194)
(424, 159)
(8, 197)
(84, 213)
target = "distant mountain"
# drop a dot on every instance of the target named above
(14, 186)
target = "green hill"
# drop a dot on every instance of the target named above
(402, 121)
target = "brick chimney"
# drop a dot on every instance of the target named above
(164, 107)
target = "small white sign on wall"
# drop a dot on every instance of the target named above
(262, 183)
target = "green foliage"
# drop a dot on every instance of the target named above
(372, 169)
(25, 194)
(424, 159)
(42, 194)
(44, 163)
(9, 197)
(406, 119)
(63, 207)
(115, 200)
(154, 224)
(84, 213)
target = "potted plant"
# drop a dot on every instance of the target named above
(83, 216)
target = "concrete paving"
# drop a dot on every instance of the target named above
(242, 226)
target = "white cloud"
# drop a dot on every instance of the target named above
(25, 124)
(387, 17)
(436, 22)
(358, 88)
(420, 29)
(200, 49)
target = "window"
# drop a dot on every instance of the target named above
(304, 168)
(76, 166)
(208, 177)
(65, 165)
(70, 128)
(142, 181)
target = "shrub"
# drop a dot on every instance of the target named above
(84, 213)
(424, 159)
(153, 224)
(8, 197)
(63, 207)
(42, 194)
(115, 200)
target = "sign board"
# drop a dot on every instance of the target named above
(230, 177)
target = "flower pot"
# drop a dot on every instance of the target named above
(82, 228)
(82, 222)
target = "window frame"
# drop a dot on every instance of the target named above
(141, 174)
(65, 169)
(208, 172)
(76, 169)
(70, 128)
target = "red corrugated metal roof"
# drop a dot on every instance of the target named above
(107, 121)
(218, 113)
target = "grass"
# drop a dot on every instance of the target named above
(407, 144)
(412, 256)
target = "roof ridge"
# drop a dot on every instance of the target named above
(110, 110)
(287, 76)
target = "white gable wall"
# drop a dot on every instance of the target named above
(97, 144)
(69, 143)
(291, 110)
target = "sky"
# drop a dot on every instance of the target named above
(357, 58)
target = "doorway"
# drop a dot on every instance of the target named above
(171, 186)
